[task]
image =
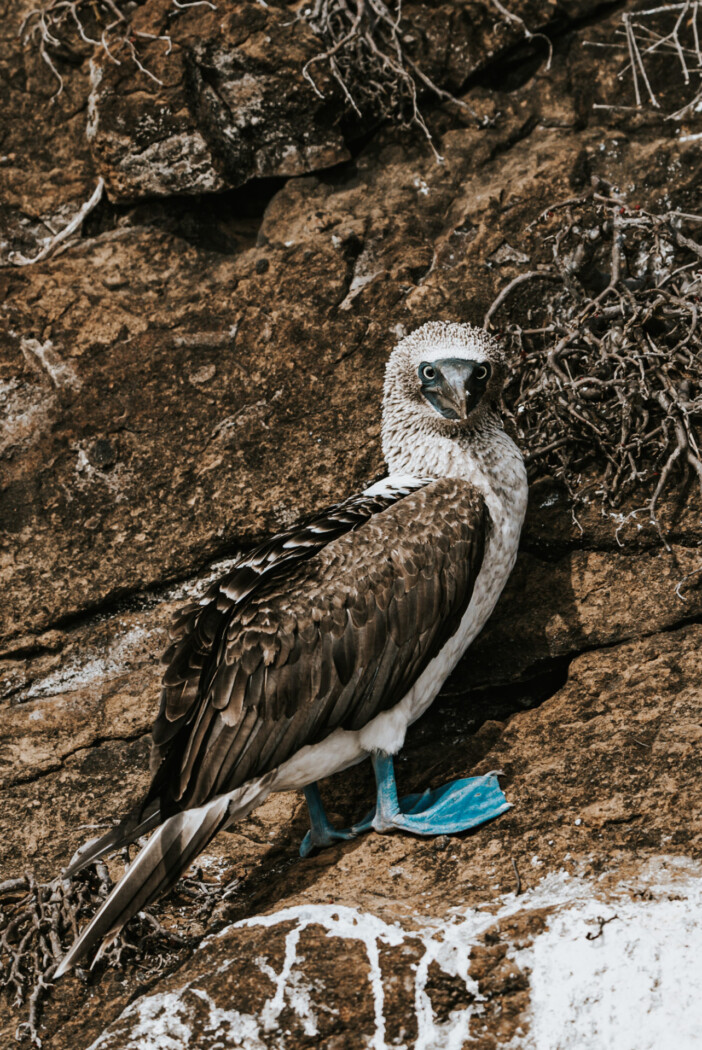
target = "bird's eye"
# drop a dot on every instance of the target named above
(482, 372)
(427, 373)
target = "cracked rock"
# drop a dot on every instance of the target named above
(231, 104)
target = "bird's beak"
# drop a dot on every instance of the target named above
(458, 390)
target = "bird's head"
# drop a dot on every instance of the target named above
(447, 376)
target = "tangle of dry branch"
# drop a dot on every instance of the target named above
(72, 29)
(39, 922)
(367, 58)
(669, 32)
(609, 379)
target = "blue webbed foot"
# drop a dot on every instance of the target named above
(457, 806)
(322, 833)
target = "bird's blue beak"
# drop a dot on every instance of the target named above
(454, 390)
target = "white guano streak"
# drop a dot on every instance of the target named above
(633, 985)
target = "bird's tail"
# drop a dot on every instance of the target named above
(167, 854)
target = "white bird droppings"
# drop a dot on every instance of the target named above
(615, 968)
(624, 974)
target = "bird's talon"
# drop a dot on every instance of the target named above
(313, 842)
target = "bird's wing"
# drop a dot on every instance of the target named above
(197, 629)
(314, 642)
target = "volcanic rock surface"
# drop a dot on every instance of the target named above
(203, 363)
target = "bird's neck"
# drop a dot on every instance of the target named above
(485, 456)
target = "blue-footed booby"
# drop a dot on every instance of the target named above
(323, 644)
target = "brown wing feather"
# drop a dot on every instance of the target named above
(193, 658)
(330, 642)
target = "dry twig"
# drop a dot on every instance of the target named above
(528, 35)
(608, 383)
(518, 887)
(39, 921)
(72, 29)
(17, 259)
(601, 923)
(658, 35)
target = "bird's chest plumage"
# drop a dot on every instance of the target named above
(499, 559)
(496, 469)
(501, 477)
(505, 492)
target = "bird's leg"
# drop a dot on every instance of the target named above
(321, 832)
(387, 804)
(454, 807)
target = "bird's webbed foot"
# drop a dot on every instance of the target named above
(322, 833)
(453, 807)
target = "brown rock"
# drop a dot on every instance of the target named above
(583, 600)
(355, 942)
(200, 468)
(223, 101)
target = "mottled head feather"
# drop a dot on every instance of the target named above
(438, 339)
(414, 434)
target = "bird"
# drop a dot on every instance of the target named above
(323, 644)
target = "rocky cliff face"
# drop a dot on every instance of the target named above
(203, 362)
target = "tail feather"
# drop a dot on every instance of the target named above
(167, 854)
(124, 833)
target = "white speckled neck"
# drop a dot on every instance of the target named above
(486, 456)
(418, 441)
